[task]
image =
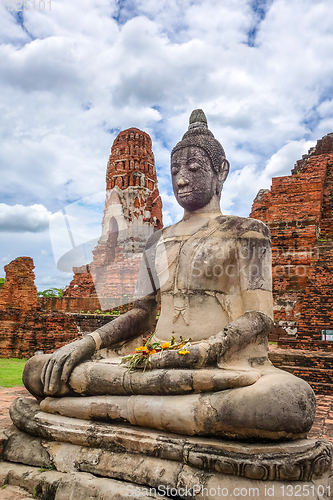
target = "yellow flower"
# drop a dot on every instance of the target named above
(141, 348)
(166, 345)
(152, 352)
(184, 352)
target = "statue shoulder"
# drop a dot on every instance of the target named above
(153, 239)
(243, 227)
(165, 232)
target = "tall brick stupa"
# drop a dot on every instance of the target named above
(299, 212)
(132, 212)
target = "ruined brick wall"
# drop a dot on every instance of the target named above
(75, 305)
(313, 366)
(299, 212)
(132, 212)
(82, 285)
(24, 329)
(22, 335)
(19, 290)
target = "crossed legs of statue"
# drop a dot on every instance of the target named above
(237, 402)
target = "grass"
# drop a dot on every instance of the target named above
(11, 372)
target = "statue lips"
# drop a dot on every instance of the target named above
(183, 193)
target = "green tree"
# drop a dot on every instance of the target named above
(51, 292)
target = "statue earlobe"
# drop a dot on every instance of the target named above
(224, 170)
(222, 175)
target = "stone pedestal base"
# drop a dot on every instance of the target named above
(54, 485)
(143, 463)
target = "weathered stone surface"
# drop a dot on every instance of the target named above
(301, 460)
(220, 413)
(3, 441)
(239, 396)
(54, 485)
(299, 212)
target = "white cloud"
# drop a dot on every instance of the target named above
(18, 218)
(74, 76)
(243, 185)
(172, 212)
(11, 31)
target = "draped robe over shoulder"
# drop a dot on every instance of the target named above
(209, 278)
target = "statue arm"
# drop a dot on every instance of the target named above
(220, 347)
(138, 321)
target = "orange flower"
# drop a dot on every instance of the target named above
(152, 352)
(184, 352)
(166, 345)
(141, 348)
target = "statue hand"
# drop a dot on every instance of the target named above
(60, 365)
(172, 359)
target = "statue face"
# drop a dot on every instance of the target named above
(193, 178)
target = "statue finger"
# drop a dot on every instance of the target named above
(56, 373)
(67, 369)
(43, 374)
(47, 374)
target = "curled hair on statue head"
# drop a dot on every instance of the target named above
(200, 136)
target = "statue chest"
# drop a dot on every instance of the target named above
(198, 263)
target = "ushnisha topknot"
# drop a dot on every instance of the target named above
(199, 135)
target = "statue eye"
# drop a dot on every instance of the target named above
(174, 169)
(193, 166)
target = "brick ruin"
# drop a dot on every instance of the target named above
(19, 290)
(299, 212)
(132, 212)
(24, 328)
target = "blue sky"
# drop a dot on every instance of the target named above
(73, 76)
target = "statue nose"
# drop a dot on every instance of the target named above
(182, 182)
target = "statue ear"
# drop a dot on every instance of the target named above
(222, 175)
(224, 170)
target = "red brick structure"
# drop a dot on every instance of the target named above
(313, 366)
(132, 212)
(24, 329)
(299, 212)
(19, 290)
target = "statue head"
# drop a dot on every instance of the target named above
(198, 165)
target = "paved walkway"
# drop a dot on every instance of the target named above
(7, 396)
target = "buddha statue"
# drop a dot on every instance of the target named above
(212, 275)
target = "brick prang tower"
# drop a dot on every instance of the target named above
(132, 212)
